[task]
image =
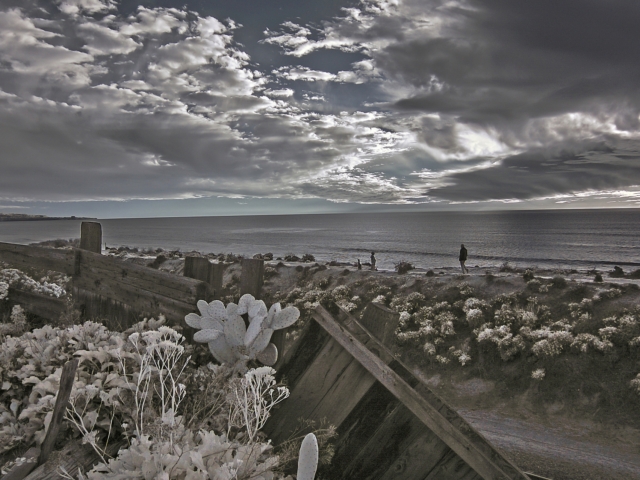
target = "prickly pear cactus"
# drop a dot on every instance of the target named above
(308, 458)
(230, 341)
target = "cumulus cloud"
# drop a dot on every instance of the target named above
(161, 103)
(431, 101)
(506, 84)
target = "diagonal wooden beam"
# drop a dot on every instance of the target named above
(428, 414)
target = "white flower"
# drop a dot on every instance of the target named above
(538, 374)
(464, 359)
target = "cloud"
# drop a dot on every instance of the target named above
(508, 85)
(158, 104)
(436, 101)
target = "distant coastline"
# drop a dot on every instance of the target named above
(23, 217)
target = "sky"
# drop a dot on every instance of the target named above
(121, 108)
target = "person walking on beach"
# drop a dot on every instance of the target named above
(463, 258)
(373, 261)
(359, 265)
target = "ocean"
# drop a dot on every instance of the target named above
(570, 239)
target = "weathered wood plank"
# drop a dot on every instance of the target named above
(44, 306)
(26, 256)
(330, 388)
(418, 453)
(216, 272)
(64, 391)
(297, 358)
(136, 299)
(451, 466)
(313, 386)
(18, 472)
(381, 428)
(197, 267)
(252, 276)
(115, 315)
(105, 269)
(356, 328)
(430, 416)
(91, 237)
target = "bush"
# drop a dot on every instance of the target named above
(527, 275)
(403, 267)
(430, 273)
(559, 282)
(307, 257)
(598, 278)
(617, 272)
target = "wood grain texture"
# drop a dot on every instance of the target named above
(110, 270)
(64, 391)
(357, 329)
(381, 322)
(49, 308)
(91, 236)
(26, 256)
(252, 276)
(197, 267)
(419, 406)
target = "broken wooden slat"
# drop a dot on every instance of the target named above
(64, 391)
(430, 416)
(26, 256)
(381, 322)
(44, 306)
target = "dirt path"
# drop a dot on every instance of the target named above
(554, 452)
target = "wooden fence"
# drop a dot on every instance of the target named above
(390, 424)
(118, 291)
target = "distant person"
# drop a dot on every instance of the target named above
(463, 258)
(359, 265)
(373, 261)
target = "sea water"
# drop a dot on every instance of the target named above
(580, 239)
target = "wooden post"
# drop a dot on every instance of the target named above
(252, 276)
(91, 237)
(215, 278)
(197, 267)
(202, 269)
(66, 384)
(381, 322)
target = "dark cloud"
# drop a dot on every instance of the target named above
(544, 173)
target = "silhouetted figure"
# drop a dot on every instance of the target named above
(463, 258)
(359, 265)
(373, 261)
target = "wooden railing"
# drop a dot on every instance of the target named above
(117, 291)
